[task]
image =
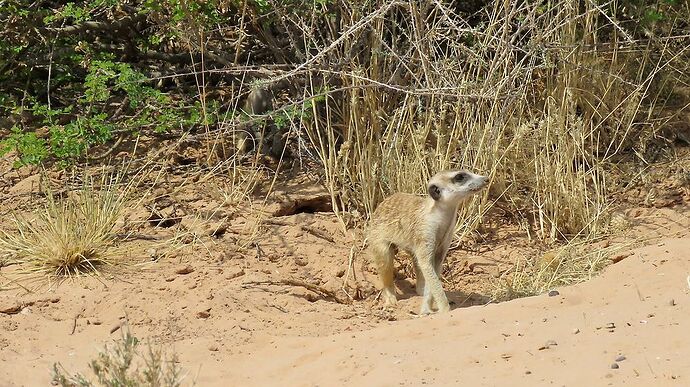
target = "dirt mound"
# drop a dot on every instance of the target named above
(626, 326)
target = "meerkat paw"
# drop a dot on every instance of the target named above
(388, 297)
(442, 306)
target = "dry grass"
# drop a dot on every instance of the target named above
(123, 365)
(69, 236)
(567, 265)
(544, 112)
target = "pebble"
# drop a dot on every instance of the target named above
(553, 293)
(610, 326)
(204, 314)
(528, 372)
(620, 358)
(234, 274)
(576, 331)
(614, 366)
(184, 270)
(213, 348)
(672, 302)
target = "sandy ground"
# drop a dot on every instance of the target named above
(219, 303)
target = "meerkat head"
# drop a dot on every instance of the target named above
(453, 186)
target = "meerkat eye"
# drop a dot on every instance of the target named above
(434, 192)
(460, 177)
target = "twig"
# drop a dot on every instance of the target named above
(315, 232)
(320, 290)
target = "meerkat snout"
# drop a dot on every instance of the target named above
(422, 226)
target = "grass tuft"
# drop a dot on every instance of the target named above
(117, 366)
(68, 236)
(568, 265)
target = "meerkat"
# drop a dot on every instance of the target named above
(268, 136)
(423, 226)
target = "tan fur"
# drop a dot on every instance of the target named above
(423, 226)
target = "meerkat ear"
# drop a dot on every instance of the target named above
(434, 192)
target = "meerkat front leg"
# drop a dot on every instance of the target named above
(419, 278)
(433, 287)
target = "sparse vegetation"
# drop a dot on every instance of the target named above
(69, 235)
(123, 364)
(567, 265)
(545, 97)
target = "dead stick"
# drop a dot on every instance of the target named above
(294, 282)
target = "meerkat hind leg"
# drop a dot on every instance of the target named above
(384, 255)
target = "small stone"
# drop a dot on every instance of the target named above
(184, 270)
(204, 314)
(213, 348)
(614, 366)
(10, 307)
(234, 274)
(553, 293)
(672, 302)
(528, 372)
(610, 326)
(620, 358)
(551, 343)
(169, 279)
(576, 331)
(96, 322)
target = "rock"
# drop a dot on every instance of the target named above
(204, 314)
(620, 358)
(184, 270)
(26, 186)
(551, 343)
(610, 326)
(614, 366)
(235, 273)
(553, 293)
(620, 257)
(576, 331)
(213, 348)
(672, 302)
(12, 307)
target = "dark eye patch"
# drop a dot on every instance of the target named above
(460, 177)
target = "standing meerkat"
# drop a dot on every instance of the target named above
(423, 226)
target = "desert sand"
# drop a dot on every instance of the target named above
(223, 310)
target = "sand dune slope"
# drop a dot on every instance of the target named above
(637, 311)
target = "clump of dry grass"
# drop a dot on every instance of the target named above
(567, 265)
(117, 366)
(71, 235)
